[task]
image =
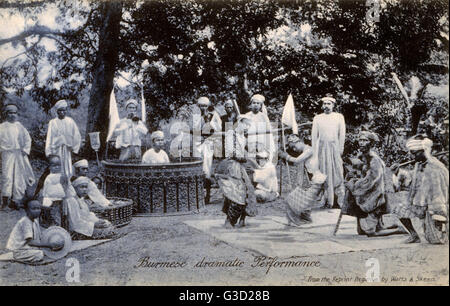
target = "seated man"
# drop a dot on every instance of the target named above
(156, 155)
(52, 195)
(82, 222)
(366, 192)
(428, 194)
(265, 177)
(96, 199)
(25, 238)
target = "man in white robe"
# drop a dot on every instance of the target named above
(260, 133)
(265, 177)
(53, 192)
(156, 155)
(63, 138)
(129, 132)
(15, 145)
(328, 138)
(81, 220)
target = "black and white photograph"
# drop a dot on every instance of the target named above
(224, 143)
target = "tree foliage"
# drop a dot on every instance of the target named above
(181, 49)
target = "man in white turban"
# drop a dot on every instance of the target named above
(63, 138)
(328, 138)
(204, 124)
(428, 193)
(82, 222)
(156, 155)
(96, 199)
(129, 132)
(260, 133)
(15, 145)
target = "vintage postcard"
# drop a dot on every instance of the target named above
(224, 143)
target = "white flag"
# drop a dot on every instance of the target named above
(143, 110)
(288, 116)
(113, 115)
(400, 87)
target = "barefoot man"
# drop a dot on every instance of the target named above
(328, 137)
(15, 144)
(428, 193)
(63, 138)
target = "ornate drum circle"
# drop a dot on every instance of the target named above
(157, 188)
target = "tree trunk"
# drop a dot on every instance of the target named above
(242, 92)
(103, 72)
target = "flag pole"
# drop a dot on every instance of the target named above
(98, 161)
(284, 148)
(338, 223)
(236, 107)
(143, 113)
(281, 176)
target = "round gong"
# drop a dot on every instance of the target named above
(157, 188)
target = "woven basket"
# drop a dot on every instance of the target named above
(433, 234)
(119, 214)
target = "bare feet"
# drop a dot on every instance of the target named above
(6, 208)
(228, 224)
(241, 223)
(413, 239)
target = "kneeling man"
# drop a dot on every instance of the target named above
(366, 193)
(428, 194)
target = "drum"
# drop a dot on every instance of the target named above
(176, 187)
(120, 212)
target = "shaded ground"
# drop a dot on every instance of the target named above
(169, 239)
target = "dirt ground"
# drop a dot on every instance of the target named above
(168, 239)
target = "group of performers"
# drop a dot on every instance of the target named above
(246, 173)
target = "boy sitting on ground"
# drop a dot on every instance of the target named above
(156, 155)
(25, 238)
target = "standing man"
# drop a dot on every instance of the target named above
(260, 134)
(129, 132)
(63, 138)
(428, 194)
(230, 117)
(228, 121)
(328, 138)
(205, 124)
(15, 145)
